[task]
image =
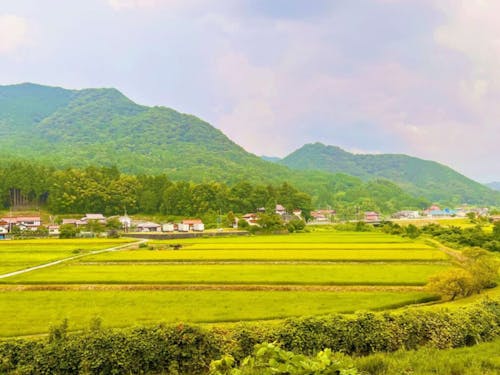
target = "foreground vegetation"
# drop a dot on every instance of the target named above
(185, 349)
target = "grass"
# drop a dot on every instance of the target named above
(233, 253)
(33, 312)
(280, 274)
(238, 278)
(482, 359)
(20, 254)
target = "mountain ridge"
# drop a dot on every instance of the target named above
(67, 128)
(418, 176)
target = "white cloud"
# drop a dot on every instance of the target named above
(151, 4)
(13, 32)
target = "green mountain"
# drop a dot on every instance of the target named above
(494, 185)
(432, 180)
(79, 128)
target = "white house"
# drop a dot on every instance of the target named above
(53, 230)
(98, 217)
(148, 227)
(125, 221)
(183, 227)
(199, 227)
(169, 227)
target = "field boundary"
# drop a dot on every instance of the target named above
(59, 261)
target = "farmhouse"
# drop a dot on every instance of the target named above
(406, 215)
(168, 227)
(280, 210)
(3, 233)
(148, 227)
(250, 218)
(183, 227)
(98, 217)
(23, 222)
(442, 213)
(372, 216)
(75, 222)
(53, 230)
(194, 224)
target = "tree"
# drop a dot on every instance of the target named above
(482, 266)
(452, 284)
(270, 222)
(67, 231)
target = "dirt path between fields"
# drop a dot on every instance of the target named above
(59, 261)
(455, 254)
(197, 287)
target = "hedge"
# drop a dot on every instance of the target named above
(186, 349)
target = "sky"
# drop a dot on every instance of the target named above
(419, 77)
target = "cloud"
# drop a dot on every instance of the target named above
(13, 32)
(152, 4)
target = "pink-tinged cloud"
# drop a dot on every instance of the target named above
(13, 33)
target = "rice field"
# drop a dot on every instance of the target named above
(21, 254)
(211, 280)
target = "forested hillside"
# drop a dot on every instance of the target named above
(109, 191)
(101, 127)
(419, 177)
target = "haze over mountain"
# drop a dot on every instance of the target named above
(103, 127)
(495, 185)
(419, 177)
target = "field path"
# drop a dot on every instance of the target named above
(457, 255)
(59, 261)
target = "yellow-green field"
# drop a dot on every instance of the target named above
(212, 279)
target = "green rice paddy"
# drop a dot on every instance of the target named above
(211, 279)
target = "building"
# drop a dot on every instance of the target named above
(75, 222)
(53, 230)
(22, 222)
(183, 227)
(148, 227)
(406, 215)
(442, 213)
(191, 223)
(3, 233)
(251, 218)
(126, 222)
(97, 217)
(169, 227)
(372, 216)
(280, 210)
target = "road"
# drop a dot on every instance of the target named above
(59, 261)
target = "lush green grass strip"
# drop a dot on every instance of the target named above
(270, 255)
(313, 274)
(31, 312)
(481, 359)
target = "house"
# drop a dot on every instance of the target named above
(372, 216)
(322, 216)
(148, 227)
(183, 227)
(251, 218)
(53, 230)
(280, 210)
(125, 221)
(192, 222)
(442, 213)
(198, 227)
(495, 218)
(75, 222)
(406, 215)
(23, 222)
(97, 217)
(3, 233)
(169, 227)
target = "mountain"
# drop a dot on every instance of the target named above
(494, 185)
(432, 180)
(102, 127)
(272, 159)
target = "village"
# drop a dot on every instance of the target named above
(33, 223)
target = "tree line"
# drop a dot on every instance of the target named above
(111, 192)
